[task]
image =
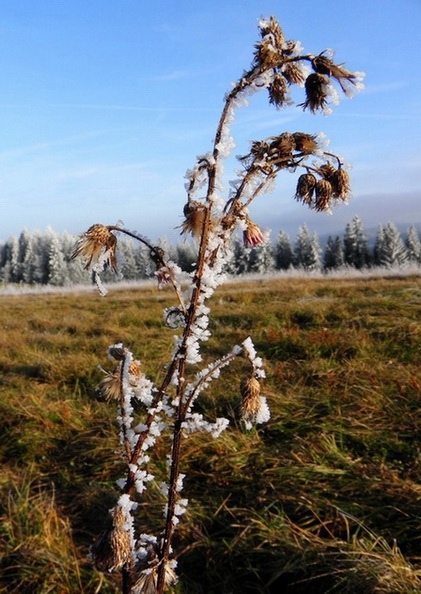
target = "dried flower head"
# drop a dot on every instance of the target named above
(324, 65)
(327, 171)
(110, 385)
(305, 188)
(254, 408)
(305, 143)
(194, 213)
(278, 91)
(282, 146)
(250, 396)
(316, 87)
(253, 235)
(270, 27)
(98, 244)
(268, 52)
(324, 193)
(113, 549)
(147, 580)
(293, 73)
(341, 184)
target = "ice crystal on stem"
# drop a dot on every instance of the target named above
(168, 405)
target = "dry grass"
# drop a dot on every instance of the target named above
(325, 498)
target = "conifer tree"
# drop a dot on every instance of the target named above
(390, 250)
(57, 269)
(413, 245)
(284, 255)
(307, 250)
(356, 249)
(262, 259)
(334, 254)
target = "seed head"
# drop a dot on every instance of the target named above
(272, 28)
(268, 52)
(147, 576)
(253, 235)
(278, 90)
(147, 580)
(97, 243)
(112, 550)
(324, 192)
(305, 188)
(282, 146)
(194, 213)
(250, 397)
(327, 171)
(293, 73)
(316, 87)
(305, 143)
(110, 386)
(324, 65)
(341, 184)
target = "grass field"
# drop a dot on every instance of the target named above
(325, 498)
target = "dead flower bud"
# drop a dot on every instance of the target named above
(324, 192)
(282, 146)
(278, 90)
(272, 28)
(267, 56)
(316, 92)
(293, 73)
(97, 244)
(324, 65)
(305, 143)
(341, 185)
(327, 171)
(110, 386)
(112, 550)
(253, 235)
(305, 188)
(147, 579)
(194, 213)
(268, 52)
(250, 397)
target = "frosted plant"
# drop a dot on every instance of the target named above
(146, 561)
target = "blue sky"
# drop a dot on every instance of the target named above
(104, 105)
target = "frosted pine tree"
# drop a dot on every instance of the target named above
(262, 259)
(142, 260)
(356, 252)
(307, 250)
(57, 269)
(413, 245)
(26, 257)
(5, 265)
(334, 254)
(15, 265)
(129, 266)
(186, 256)
(284, 255)
(239, 262)
(389, 249)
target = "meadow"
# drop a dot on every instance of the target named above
(323, 498)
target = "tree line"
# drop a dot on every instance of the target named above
(45, 257)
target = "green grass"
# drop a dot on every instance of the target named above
(325, 498)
